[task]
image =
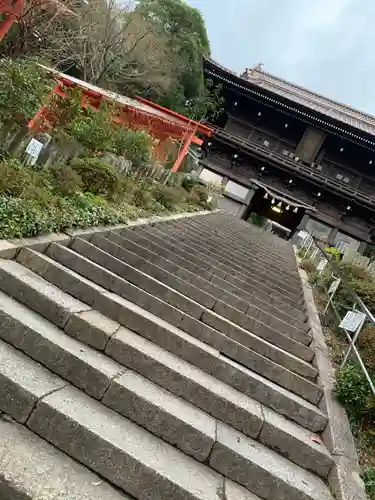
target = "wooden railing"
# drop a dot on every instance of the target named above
(298, 167)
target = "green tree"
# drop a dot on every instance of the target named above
(23, 88)
(188, 44)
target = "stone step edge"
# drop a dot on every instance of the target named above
(189, 261)
(10, 247)
(57, 404)
(293, 386)
(241, 243)
(150, 406)
(183, 237)
(32, 466)
(85, 250)
(31, 451)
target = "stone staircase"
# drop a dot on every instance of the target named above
(165, 361)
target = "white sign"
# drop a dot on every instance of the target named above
(334, 286)
(34, 148)
(352, 321)
(322, 264)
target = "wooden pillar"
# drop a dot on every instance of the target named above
(183, 151)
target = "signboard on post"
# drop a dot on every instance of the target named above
(321, 266)
(352, 321)
(334, 286)
(33, 149)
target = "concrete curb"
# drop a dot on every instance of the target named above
(10, 248)
(344, 479)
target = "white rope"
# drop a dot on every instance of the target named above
(277, 197)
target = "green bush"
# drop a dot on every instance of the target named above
(308, 266)
(93, 129)
(199, 194)
(368, 476)
(98, 177)
(14, 180)
(135, 145)
(353, 391)
(143, 198)
(366, 343)
(168, 196)
(189, 182)
(65, 180)
(23, 88)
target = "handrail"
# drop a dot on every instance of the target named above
(304, 169)
(357, 301)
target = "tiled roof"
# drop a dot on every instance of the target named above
(318, 103)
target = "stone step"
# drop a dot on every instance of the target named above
(175, 340)
(194, 291)
(249, 243)
(213, 256)
(193, 384)
(188, 241)
(42, 341)
(82, 427)
(175, 420)
(191, 325)
(32, 469)
(184, 262)
(137, 461)
(183, 345)
(241, 241)
(192, 278)
(272, 304)
(193, 309)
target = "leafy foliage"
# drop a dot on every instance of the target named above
(368, 477)
(353, 391)
(366, 343)
(97, 176)
(65, 180)
(185, 31)
(136, 146)
(23, 88)
(88, 193)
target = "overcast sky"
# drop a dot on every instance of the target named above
(325, 45)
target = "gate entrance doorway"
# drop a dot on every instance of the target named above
(284, 211)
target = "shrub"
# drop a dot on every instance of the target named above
(353, 390)
(65, 179)
(94, 129)
(98, 176)
(143, 198)
(258, 220)
(23, 88)
(368, 476)
(199, 194)
(308, 266)
(366, 343)
(135, 145)
(168, 196)
(188, 182)
(127, 188)
(14, 178)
